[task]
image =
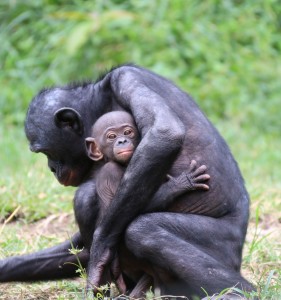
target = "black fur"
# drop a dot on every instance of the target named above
(197, 242)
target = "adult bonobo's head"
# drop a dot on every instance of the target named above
(57, 122)
(114, 137)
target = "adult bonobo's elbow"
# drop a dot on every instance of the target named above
(171, 132)
(166, 138)
(143, 96)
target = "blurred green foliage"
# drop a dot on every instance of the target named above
(225, 53)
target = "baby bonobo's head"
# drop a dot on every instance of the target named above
(114, 138)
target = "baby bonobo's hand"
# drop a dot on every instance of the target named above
(192, 179)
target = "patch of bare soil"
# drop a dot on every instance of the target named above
(57, 225)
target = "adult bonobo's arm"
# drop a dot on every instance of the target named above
(162, 133)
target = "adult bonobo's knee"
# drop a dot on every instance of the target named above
(142, 234)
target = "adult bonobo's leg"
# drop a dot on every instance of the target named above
(52, 263)
(57, 262)
(201, 252)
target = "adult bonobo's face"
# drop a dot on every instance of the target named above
(57, 130)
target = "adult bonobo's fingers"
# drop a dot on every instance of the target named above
(121, 285)
(201, 186)
(201, 178)
(94, 278)
(117, 275)
(97, 269)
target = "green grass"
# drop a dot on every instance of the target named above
(225, 53)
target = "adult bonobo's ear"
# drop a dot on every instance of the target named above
(67, 117)
(93, 150)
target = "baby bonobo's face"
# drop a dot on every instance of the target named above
(119, 142)
(115, 135)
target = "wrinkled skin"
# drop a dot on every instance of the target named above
(197, 241)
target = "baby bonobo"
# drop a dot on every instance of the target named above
(113, 141)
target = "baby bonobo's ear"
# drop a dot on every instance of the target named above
(93, 150)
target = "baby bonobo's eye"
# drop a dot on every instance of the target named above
(111, 136)
(128, 131)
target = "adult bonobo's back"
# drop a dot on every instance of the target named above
(198, 239)
(227, 195)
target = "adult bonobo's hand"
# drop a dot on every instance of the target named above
(103, 260)
(117, 275)
(100, 259)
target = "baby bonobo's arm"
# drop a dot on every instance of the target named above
(190, 180)
(107, 182)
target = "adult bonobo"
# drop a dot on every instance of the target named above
(196, 246)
